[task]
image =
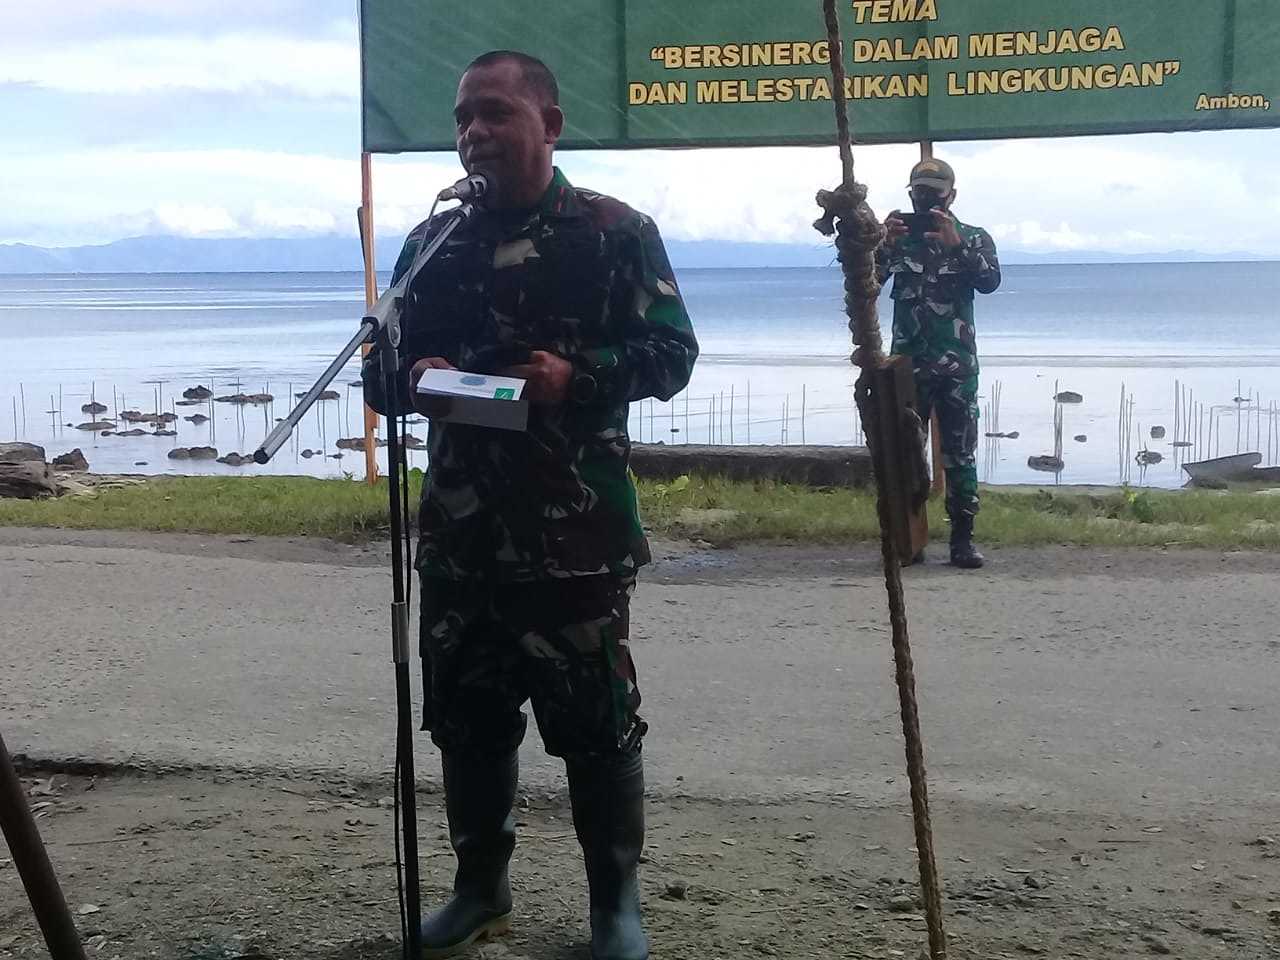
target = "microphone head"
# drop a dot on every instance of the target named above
(484, 186)
(472, 188)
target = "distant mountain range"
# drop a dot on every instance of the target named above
(169, 254)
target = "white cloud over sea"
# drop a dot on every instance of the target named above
(248, 64)
(238, 118)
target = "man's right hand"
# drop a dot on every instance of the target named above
(429, 406)
(895, 228)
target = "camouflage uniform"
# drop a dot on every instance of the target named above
(933, 324)
(530, 541)
(493, 647)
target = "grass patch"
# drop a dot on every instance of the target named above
(723, 512)
(711, 509)
(263, 506)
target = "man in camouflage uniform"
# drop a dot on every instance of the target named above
(934, 277)
(530, 541)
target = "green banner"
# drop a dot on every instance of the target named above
(697, 73)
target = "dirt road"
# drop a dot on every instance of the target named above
(1100, 733)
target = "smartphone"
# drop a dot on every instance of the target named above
(918, 224)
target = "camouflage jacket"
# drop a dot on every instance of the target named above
(583, 276)
(933, 299)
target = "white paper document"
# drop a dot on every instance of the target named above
(478, 399)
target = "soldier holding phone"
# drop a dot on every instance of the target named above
(937, 263)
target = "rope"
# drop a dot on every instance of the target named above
(858, 234)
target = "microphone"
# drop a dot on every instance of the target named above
(475, 188)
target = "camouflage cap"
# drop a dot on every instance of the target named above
(933, 173)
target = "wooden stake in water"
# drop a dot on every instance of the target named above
(1257, 420)
(1199, 436)
(1128, 448)
(1120, 432)
(1270, 413)
(1177, 410)
(804, 402)
(1273, 429)
(23, 394)
(1248, 418)
(1057, 432)
(1191, 406)
(730, 414)
(748, 413)
(1238, 389)
(686, 416)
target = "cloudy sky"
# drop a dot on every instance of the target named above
(241, 118)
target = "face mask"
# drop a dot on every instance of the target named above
(923, 199)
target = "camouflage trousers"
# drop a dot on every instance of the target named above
(955, 400)
(562, 644)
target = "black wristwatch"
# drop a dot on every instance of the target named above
(582, 386)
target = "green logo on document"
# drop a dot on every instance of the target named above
(504, 393)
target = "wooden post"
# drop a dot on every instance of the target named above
(32, 860)
(909, 523)
(370, 298)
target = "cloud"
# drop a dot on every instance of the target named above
(1031, 235)
(761, 195)
(1126, 195)
(234, 62)
(1123, 194)
(283, 221)
(95, 19)
(98, 195)
(194, 220)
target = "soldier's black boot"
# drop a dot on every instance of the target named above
(608, 814)
(963, 553)
(479, 794)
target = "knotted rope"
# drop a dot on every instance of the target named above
(858, 234)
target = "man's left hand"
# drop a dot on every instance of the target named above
(947, 232)
(546, 378)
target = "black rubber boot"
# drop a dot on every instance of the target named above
(963, 553)
(479, 794)
(608, 814)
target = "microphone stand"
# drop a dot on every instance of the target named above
(381, 327)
